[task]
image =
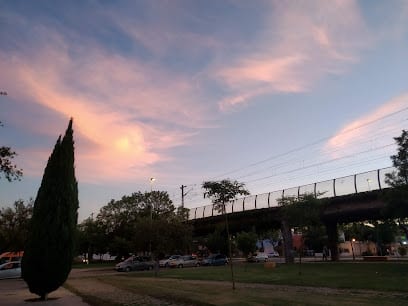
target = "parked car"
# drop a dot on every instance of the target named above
(164, 263)
(308, 252)
(215, 260)
(273, 254)
(257, 257)
(184, 261)
(135, 263)
(11, 256)
(11, 269)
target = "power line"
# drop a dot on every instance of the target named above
(310, 144)
(320, 163)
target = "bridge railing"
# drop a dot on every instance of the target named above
(361, 182)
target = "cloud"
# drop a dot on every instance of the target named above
(369, 125)
(127, 114)
(299, 44)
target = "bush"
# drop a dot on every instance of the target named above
(402, 251)
(367, 253)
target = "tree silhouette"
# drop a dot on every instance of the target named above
(49, 251)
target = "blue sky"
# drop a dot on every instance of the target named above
(275, 94)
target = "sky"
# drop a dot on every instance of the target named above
(274, 94)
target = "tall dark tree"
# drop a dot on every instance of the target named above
(49, 251)
(7, 168)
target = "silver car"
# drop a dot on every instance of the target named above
(11, 269)
(164, 263)
(184, 261)
(135, 263)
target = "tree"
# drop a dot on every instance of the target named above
(14, 224)
(303, 212)
(9, 170)
(91, 238)
(216, 241)
(144, 222)
(397, 197)
(246, 242)
(400, 162)
(221, 193)
(49, 251)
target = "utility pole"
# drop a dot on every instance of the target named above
(182, 195)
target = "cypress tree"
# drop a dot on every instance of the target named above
(49, 250)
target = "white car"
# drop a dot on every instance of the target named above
(11, 269)
(273, 254)
(261, 257)
(184, 261)
(164, 263)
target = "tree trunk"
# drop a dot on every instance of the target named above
(287, 242)
(229, 249)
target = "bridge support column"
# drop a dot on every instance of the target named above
(287, 242)
(333, 239)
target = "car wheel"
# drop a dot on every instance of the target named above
(198, 264)
(180, 265)
(127, 269)
(150, 268)
(166, 265)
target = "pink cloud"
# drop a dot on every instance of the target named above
(365, 127)
(126, 113)
(298, 45)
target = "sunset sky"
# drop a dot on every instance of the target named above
(275, 94)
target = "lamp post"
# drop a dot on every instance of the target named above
(352, 249)
(152, 179)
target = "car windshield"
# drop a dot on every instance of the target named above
(174, 256)
(129, 259)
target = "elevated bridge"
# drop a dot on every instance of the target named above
(350, 199)
(339, 187)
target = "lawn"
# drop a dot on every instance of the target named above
(351, 275)
(315, 284)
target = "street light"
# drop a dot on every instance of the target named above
(352, 249)
(152, 179)
(368, 183)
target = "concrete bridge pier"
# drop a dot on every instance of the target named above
(333, 239)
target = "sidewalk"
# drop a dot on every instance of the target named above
(14, 292)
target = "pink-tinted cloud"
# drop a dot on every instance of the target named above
(126, 113)
(365, 127)
(300, 43)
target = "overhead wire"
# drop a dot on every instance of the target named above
(376, 138)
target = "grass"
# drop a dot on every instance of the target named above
(343, 283)
(370, 276)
